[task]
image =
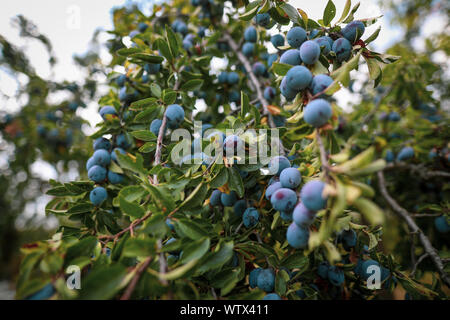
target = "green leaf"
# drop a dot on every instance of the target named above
(291, 12)
(192, 85)
(190, 229)
(280, 68)
(149, 58)
(298, 260)
(250, 10)
(280, 282)
(81, 208)
(136, 247)
(347, 6)
(172, 41)
(370, 211)
(235, 181)
(196, 197)
(164, 49)
(373, 36)
(132, 209)
(143, 103)
(130, 162)
(329, 13)
(156, 90)
(103, 283)
(169, 96)
(350, 17)
(84, 247)
(125, 52)
(194, 250)
(374, 68)
(217, 259)
(144, 135)
(220, 179)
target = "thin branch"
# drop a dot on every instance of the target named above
(371, 114)
(135, 280)
(127, 229)
(414, 269)
(406, 216)
(417, 169)
(162, 262)
(323, 155)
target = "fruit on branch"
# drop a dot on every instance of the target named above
(248, 49)
(325, 43)
(233, 145)
(142, 27)
(98, 196)
(322, 270)
(253, 277)
(336, 276)
(277, 40)
(298, 78)
(121, 80)
(441, 224)
(405, 153)
(272, 296)
(102, 143)
(259, 69)
(152, 68)
(365, 271)
(272, 188)
(43, 294)
(266, 280)
(394, 116)
(101, 157)
(390, 157)
(353, 31)
(114, 155)
(320, 83)
(215, 199)
(286, 91)
(122, 141)
(348, 239)
(313, 33)
(297, 237)
(302, 216)
(312, 195)
(175, 116)
(239, 208)
(292, 57)
(107, 110)
(290, 178)
(284, 199)
(155, 126)
(263, 19)
(269, 93)
(97, 173)
(271, 59)
(278, 164)
(228, 199)
(232, 78)
(317, 112)
(250, 217)
(250, 34)
(296, 36)
(309, 52)
(115, 178)
(343, 49)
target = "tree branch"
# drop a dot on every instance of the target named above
(127, 229)
(162, 262)
(323, 155)
(135, 280)
(406, 216)
(417, 169)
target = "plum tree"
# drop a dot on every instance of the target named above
(311, 210)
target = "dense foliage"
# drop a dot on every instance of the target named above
(343, 193)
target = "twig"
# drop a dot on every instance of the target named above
(406, 216)
(127, 229)
(323, 155)
(370, 115)
(135, 280)
(414, 269)
(418, 169)
(162, 262)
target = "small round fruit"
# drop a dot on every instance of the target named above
(291, 57)
(97, 174)
(251, 217)
(284, 199)
(98, 196)
(266, 280)
(272, 188)
(302, 216)
(174, 115)
(311, 195)
(310, 52)
(317, 113)
(297, 237)
(228, 200)
(298, 78)
(278, 164)
(296, 36)
(215, 198)
(290, 178)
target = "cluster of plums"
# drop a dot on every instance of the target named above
(105, 152)
(406, 153)
(282, 194)
(174, 115)
(249, 49)
(264, 279)
(229, 79)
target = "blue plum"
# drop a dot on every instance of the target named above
(248, 49)
(174, 115)
(234, 96)
(297, 237)
(405, 153)
(98, 196)
(142, 27)
(348, 238)
(394, 116)
(228, 200)
(311, 195)
(271, 59)
(277, 40)
(263, 19)
(97, 174)
(113, 153)
(322, 270)
(320, 83)
(269, 93)
(317, 113)
(353, 31)
(286, 91)
(233, 145)
(232, 78)
(298, 78)
(90, 163)
(286, 216)
(296, 36)
(121, 80)
(152, 68)
(253, 277)
(343, 49)
(336, 276)
(122, 141)
(259, 69)
(272, 296)
(366, 271)
(302, 216)
(325, 43)
(223, 77)
(266, 280)
(239, 208)
(292, 57)
(278, 164)
(441, 224)
(272, 188)
(102, 143)
(155, 126)
(284, 199)
(214, 200)
(102, 157)
(250, 217)
(115, 178)
(107, 110)
(310, 52)
(290, 178)
(250, 34)
(43, 294)
(390, 157)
